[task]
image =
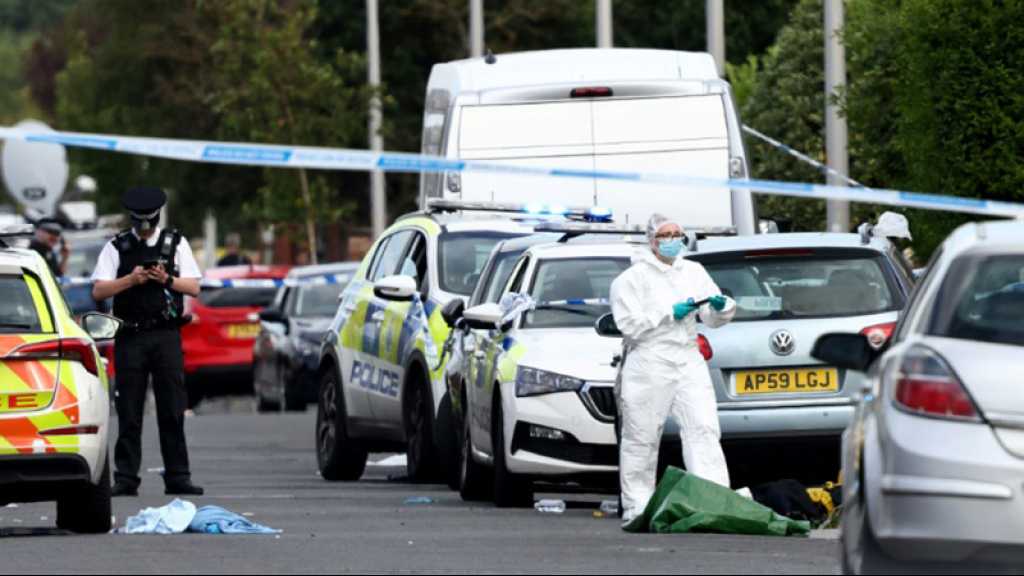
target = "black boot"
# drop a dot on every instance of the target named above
(121, 489)
(183, 488)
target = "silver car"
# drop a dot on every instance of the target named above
(780, 409)
(934, 459)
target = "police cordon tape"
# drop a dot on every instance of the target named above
(361, 160)
(321, 280)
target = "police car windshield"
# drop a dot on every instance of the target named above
(462, 256)
(805, 283)
(237, 297)
(558, 283)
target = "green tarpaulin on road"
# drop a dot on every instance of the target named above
(686, 503)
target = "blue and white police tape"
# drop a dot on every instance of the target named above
(362, 160)
(801, 156)
(322, 280)
(574, 302)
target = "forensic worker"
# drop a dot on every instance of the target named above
(148, 271)
(655, 303)
(46, 241)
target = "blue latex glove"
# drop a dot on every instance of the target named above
(681, 309)
(717, 302)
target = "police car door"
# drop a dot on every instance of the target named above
(485, 361)
(403, 326)
(367, 375)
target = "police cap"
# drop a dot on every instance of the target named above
(144, 200)
(51, 225)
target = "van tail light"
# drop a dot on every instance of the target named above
(879, 334)
(926, 385)
(705, 347)
(591, 92)
(71, 349)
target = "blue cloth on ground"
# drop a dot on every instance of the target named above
(216, 520)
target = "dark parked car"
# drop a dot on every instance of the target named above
(287, 351)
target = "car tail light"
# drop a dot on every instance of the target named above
(879, 334)
(591, 92)
(705, 347)
(71, 349)
(70, 431)
(925, 384)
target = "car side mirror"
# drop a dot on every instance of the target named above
(100, 326)
(606, 326)
(484, 317)
(395, 288)
(849, 351)
(453, 311)
(272, 315)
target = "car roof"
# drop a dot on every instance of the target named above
(323, 269)
(997, 235)
(255, 271)
(22, 258)
(606, 248)
(788, 240)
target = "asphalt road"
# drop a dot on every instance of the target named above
(264, 466)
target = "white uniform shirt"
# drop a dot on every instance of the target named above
(110, 259)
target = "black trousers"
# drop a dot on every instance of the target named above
(137, 356)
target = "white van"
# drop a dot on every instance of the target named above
(590, 109)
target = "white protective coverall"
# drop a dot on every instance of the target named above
(664, 374)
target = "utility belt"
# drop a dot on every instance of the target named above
(152, 325)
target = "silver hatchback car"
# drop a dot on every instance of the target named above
(934, 459)
(779, 408)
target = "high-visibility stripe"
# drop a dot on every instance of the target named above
(45, 321)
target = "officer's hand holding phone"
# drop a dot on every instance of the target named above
(139, 276)
(157, 273)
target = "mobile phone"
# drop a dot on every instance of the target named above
(150, 264)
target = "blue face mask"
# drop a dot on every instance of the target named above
(670, 248)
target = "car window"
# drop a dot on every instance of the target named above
(462, 257)
(414, 264)
(559, 284)
(18, 312)
(501, 271)
(982, 299)
(808, 284)
(316, 300)
(237, 297)
(516, 282)
(387, 264)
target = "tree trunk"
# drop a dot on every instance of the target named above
(307, 201)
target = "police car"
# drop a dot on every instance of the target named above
(535, 382)
(54, 396)
(381, 365)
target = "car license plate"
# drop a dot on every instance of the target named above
(243, 331)
(795, 381)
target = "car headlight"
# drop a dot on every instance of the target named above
(532, 381)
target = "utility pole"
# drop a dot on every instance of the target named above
(476, 28)
(378, 201)
(835, 125)
(715, 15)
(604, 24)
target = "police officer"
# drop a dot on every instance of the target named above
(147, 271)
(45, 242)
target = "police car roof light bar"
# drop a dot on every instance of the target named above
(592, 213)
(570, 230)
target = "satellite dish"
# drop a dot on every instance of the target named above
(35, 173)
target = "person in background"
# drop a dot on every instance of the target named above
(46, 242)
(234, 256)
(148, 271)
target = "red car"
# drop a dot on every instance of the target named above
(225, 322)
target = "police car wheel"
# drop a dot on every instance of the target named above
(86, 509)
(447, 442)
(339, 457)
(421, 457)
(510, 490)
(475, 480)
